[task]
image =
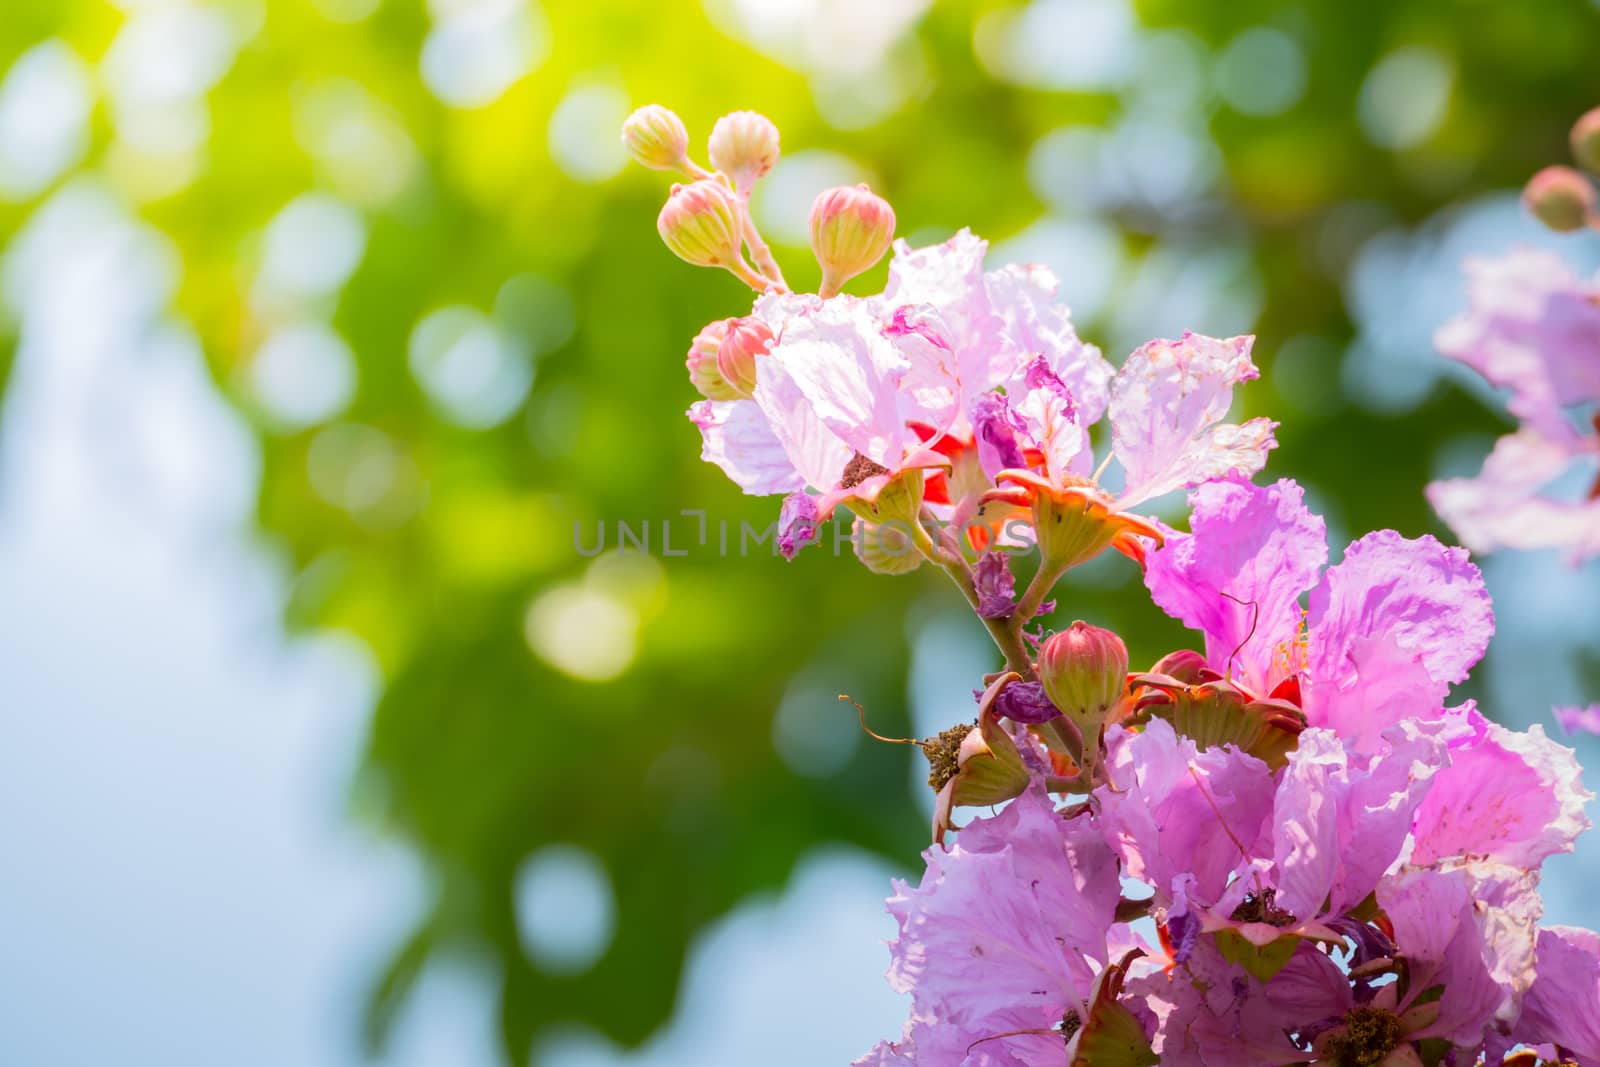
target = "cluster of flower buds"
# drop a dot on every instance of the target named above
(1561, 197)
(1334, 865)
(707, 221)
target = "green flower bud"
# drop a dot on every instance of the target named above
(744, 146)
(655, 137)
(702, 362)
(851, 228)
(1560, 197)
(1084, 670)
(747, 340)
(1586, 141)
(700, 224)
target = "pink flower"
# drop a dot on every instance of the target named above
(1008, 930)
(1387, 631)
(1532, 328)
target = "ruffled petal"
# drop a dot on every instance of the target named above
(1340, 821)
(1563, 1007)
(1172, 810)
(1515, 798)
(1502, 506)
(1056, 428)
(1531, 327)
(736, 436)
(1382, 684)
(850, 375)
(1167, 406)
(1014, 918)
(1035, 325)
(1238, 576)
(1471, 931)
(1429, 598)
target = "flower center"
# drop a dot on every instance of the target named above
(1262, 907)
(943, 751)
(1070, 1024)
(1369, 1035)
(858, 470)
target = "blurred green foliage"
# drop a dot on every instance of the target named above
(481, 751)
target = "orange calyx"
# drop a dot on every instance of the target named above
(1073, 522)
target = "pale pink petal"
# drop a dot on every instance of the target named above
(1429, 598)
(1238, 576)
(813, 450)
(1515, 798)
(932, 391)
(1034, 324)
(949, 278)
(1563, 1007)
(929, 1041)
(1531, 327)
(1575, 720)
(1172, 810)
(1502, 508)
(1167, 406)
(849, 374)
(736, 436)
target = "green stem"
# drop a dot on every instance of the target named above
(742, 270)
(759, 250)
(1044, 580)
(1006, 638)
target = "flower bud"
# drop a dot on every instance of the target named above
(744, 146)
(1559, 197)
(1084, 669)
(702, 362)
(655, 137)
(700, 223)
(1586, 141)
(851, 229)
(747, 340)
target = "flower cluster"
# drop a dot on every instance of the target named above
(1287, 848)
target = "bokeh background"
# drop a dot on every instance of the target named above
(324, 324)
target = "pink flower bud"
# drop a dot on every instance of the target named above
(851, 229)
(1560, 197)
(747, 339)
(1586, 141)
(1084, 669)
(744, 146)
(655, 137)
(700, 223)
(702, 362)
